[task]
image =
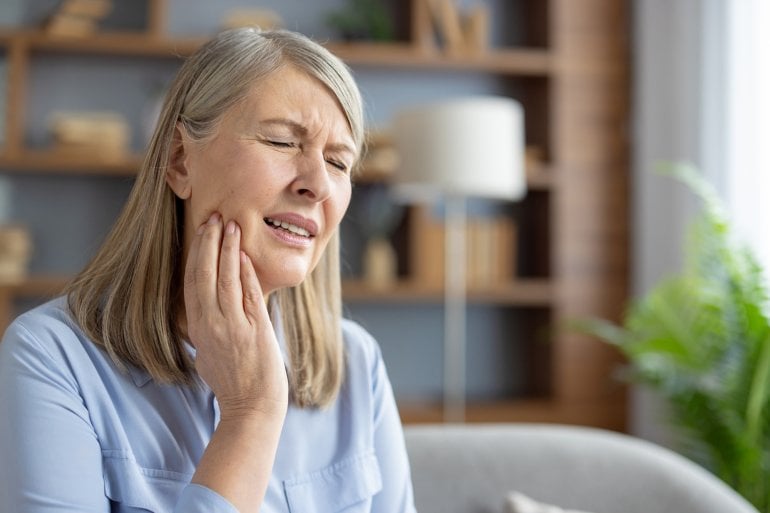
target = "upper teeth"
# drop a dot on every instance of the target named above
(288, 226)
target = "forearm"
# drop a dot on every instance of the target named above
(239, 459)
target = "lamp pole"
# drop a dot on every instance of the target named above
(454, 307)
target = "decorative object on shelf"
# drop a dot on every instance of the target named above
(380, 159)
(701, 340)
(457, 149)
(15, 250)
(376, 216)
(266, 19)
(459, 33)
(362, 20)
(380, 263)
(100, 135)
(476, 29)
(77, 18)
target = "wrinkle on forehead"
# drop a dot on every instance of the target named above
(307, 115)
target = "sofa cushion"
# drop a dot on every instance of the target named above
(517, 502)
(470, 468)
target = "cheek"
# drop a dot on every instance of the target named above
(342, 203)
(335, 209)
(240, 196)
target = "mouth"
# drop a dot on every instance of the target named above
(278, 224)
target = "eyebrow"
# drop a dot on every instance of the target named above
(302, 130)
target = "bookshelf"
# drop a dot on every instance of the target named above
(569, 67)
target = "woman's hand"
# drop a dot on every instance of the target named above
(237, 353)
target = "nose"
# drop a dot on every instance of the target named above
(312, 180)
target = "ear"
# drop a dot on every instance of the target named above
(177, 174)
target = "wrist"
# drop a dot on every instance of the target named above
(263, 412)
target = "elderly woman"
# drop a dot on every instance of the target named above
(200, 361)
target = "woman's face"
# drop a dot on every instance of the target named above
(279, 165)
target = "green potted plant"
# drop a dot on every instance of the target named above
(366, 20)
(701, 340)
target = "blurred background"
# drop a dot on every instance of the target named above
(609, 88)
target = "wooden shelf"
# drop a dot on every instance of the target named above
(34, 287)
(40, 286)
(603, 414)
(539, 178)
(511, 61)
(508, 61)
(138, 44)
(530, 292)
(54, 163)
(579, 244)
(524, 293)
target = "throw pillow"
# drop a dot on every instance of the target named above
(517, 502)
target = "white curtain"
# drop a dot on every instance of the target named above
(746, 134)
(702, 95)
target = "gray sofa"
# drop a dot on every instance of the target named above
(471, 468)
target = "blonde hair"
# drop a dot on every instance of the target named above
(127, 298)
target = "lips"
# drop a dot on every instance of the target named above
(294, 224)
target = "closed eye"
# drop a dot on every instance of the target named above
(281, 144)
(338, 165)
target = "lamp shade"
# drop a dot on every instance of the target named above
(469, 147)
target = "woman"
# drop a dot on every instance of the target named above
(199, 362)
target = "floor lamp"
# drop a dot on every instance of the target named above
(454, 150)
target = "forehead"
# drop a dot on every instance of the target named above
(290, 90)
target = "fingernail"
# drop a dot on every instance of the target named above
(214, 219)
(200, 229)
(230, 228)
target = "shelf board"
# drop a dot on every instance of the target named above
(505, 61)
(112, 43)
(37, 286)
(524, 292)
(539, 178)
(56, 163)
(528, 292)
(509, 61)
(601, 414)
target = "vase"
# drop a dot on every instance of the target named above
(380, 264)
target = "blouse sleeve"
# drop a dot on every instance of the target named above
(45, 432)
(50, 453)
(389, 445)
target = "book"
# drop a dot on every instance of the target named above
(490, 250)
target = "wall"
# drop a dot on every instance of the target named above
(672, 81)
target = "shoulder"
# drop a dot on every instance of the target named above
(365, 364)
(47, 326)
(44, 335)
(360, 345)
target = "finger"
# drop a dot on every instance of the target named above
(206, 264)
(229, 279)
(192, 304)
(253, 301)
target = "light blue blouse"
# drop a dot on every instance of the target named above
(77, 434)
